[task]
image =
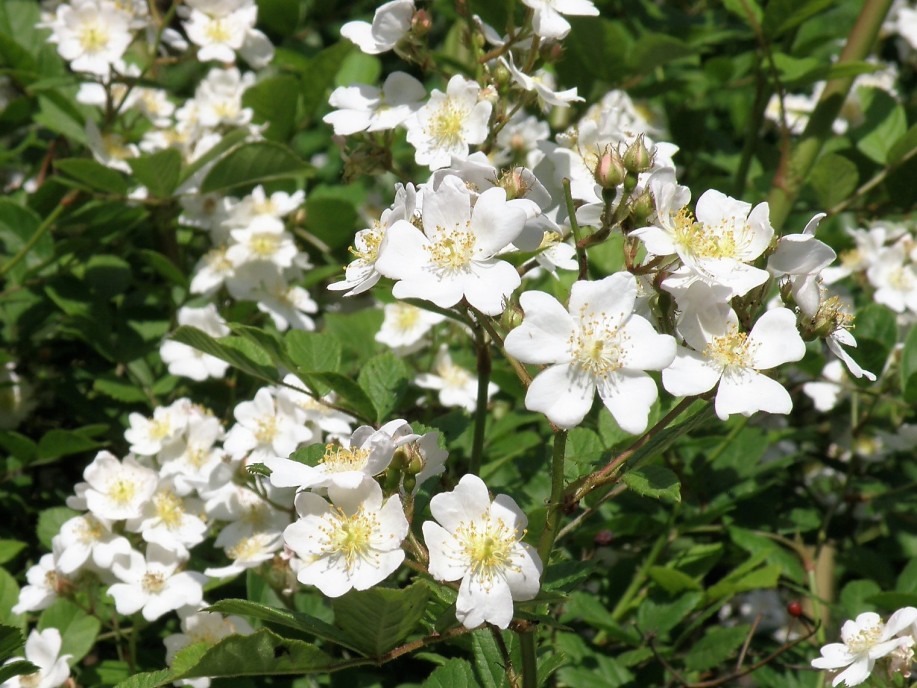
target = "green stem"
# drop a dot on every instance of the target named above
(39, 233)
(529, 659)
(552, 516)
(480, 411)
(577, 235)
(796, 164)
(640, 577)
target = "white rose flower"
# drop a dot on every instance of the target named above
(598, 344)
(352, 543)
(478, 541)
(454, 256)
(390, 23)
(42, 648)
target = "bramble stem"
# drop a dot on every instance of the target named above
(480, 411)
(551, 519)
(577, 235)
(796, 163)
(529, 659)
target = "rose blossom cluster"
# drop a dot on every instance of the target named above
(504, 201)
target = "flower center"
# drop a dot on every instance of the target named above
(349, 537)
(90, 530)
(731, 349)
(247, 549)
(900, 279)
(453, 375)
(488, 546)
(266, 429)
(337, 459)
(406, 317)
(864, 639)
(93, 38)
(218, 31)
(153, 582)
(159, 429)
(451, 249)
(122, 492)
(264, 245)
(368, 242)
(30, 680)
(598, 348)
(703, 240)
(446, 124)
(169, 509)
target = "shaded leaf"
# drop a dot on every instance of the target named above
(378, 619)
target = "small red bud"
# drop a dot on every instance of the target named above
(794, 609)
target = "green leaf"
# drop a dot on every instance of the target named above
(654, 481)
(903, 147)
(18, 225)
(9, 549)
(886, 124)
(279, 16)
(488, 660)
(834, 179)
(601, 47)
(384, 378)
(782, 15)
(907, 579)
(757, 579)
(455, 673)
(57, 443)
(274, 101)
(93, 175)
(609, 673)
(356, 331)
(313, 352)
(251, 164)
(77, 628)
(119, 389)
(378, 619)
(158, 172)
(855, 595)
(18, 445)
(283, 617)
(263, 653)
(236, 351)
(909, 364)
(350, 395)
(318, 75)
(702, 412)
(672, 580)
(583, 446)
(18, 668)
(50, 521)
(748, 10)
(660, 617)
(717, 645)
(226, 143)
(656, 49)
(893, 600)
(11, 642)
(9, 596)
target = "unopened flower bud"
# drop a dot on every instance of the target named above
(642, 208)
(513, 183)
(421, 23)
(637, 158)
(511, 318)
(609, 170)
(603, 538)
(554, 52)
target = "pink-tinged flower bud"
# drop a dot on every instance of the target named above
(609, 170)
(421, 23)
(637, 158)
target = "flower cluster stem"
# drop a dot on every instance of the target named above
(552, 517)
(798, 162)
(484, 366)
(529, 659)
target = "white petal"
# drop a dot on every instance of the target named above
(544, 334)
(565, 398)
(774, 340)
